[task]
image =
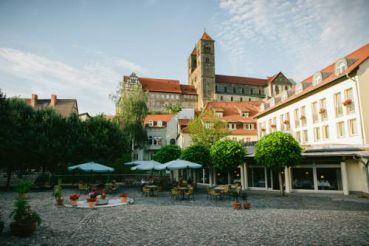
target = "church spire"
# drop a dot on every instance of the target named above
(206, 37)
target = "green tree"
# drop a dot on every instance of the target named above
(197, 153)
(131, 112)
(16, 134)
(276, 151)
(227, 154)
(206, 129)
(167, 153)
(174, 108)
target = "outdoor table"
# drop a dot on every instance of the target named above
(182, 190)
(152, 189)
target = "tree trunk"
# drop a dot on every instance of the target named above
(9, 177)
(229, 177)
(280, 182)
(133, 149)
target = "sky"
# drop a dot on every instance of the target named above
(81, 49)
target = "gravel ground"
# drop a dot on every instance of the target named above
(298, 219)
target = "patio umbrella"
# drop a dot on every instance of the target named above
(181, 164)
(135, 163)
(149, 166)
(92, 167)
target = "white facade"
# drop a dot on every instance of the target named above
(332, 121)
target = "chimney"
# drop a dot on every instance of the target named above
(34, 100)
(53, 100)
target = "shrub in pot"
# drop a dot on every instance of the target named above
(236, 204)
(246, 204)
(25, 220)
(58, 194)
(23, 187)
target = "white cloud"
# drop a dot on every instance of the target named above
(306, 35)
(91, 85)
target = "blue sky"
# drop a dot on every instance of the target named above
(81, 49)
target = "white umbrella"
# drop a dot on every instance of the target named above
(92, 167)
(135, 163)
(181, 164)
(149, 166)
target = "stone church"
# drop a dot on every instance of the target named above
(204, 85)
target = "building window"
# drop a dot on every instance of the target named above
(248, 126)
(302, 178)
(242, 90)
(231, 99)
(341, 67)
(150, 140)
(296, 117)
(298, 136)
(352, 127)
(232, 126)
(251, 91)
(256, 177)
(325, 131)
(323, 109)
(219, 114)
(303, 116)
(316, 134)
(305, 136)
(314, 110)
(160, 123)
(209, 125)
(245, 114)
(349, 101)
(259, 92)
(281, 122)
(234, 90)
(338, 104)
(241, 99)
(340, 129)
(207, 60)
(329, 178)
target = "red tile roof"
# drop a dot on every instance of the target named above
(243, 132)
(188, 90)
(183, 122)
(357, 57)
(232, 110)
(206, 37)
(158, 117)
(240, 80)
(165, 85)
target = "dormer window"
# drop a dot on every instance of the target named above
(245, 114)
(151, 123)
(341, 66)
(272, 101)
(232, 126)
(284, 95)
(160, 123)
(317, 78)
(299, 88)
(219, 114)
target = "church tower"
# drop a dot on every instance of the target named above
(201, 70)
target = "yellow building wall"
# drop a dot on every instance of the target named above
(356, 177)
(363, 92)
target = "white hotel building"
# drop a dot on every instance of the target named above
(328, 114)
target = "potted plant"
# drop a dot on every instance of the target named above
(123, 197)
(236, 203)
(23, 187)
(74, 199)
(25, 220)
(286, 122)
(246, 204)
(347, 102)
(91, 202)
(322, 111)
(273, 125)
(58, 194)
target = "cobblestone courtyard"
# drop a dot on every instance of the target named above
(298, 219)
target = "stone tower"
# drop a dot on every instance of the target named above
(201, 70)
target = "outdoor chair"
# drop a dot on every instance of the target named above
(214, 194)
(145, 191)
(174, 193)
(189, 193)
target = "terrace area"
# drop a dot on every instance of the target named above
(302, 219)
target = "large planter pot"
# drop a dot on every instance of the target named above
(91, 204)
(23, 196)
(22, 230)
(73, 202)
(236, 205)
(59, 201)
(246, 205)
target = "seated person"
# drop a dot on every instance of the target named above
(181, 182)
